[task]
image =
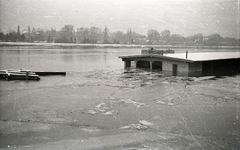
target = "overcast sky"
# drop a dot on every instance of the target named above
(185, 17)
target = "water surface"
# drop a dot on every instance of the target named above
(71, 60)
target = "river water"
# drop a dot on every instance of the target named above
(70, 60)
(97, 98)
(93, 63)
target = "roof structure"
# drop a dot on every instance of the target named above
(191, 57)
(141, 56)
(206, 56)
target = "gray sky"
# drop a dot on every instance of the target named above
(185, 17)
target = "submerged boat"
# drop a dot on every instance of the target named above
(18, 75)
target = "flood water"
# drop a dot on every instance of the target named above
(70, 60)
(96, 98)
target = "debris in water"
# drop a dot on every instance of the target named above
(161, 102)
(164, 103)
(110, 112)
(101, 107)
(129, 101)
(205, 78)
(126, 127)
(165, 82)
(142, 125)
(92, 112)
(91, 130)
(170, 104)
(144, 122)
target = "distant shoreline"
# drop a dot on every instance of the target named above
(77, 45)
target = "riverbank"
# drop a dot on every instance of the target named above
(76, 46)
(106, 110)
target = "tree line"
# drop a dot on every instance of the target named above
(94, 35)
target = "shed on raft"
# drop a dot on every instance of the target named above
(187, 64)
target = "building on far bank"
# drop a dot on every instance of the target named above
(187, 64)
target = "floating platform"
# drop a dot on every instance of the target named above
(45, 73)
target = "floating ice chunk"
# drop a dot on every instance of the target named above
(92, 112)
(91, 130)
(108, 113)
(126, 127)
(129, 101)
(144, 122)
(101, 107)
(161, 102)
(165, 82)
(140, 126)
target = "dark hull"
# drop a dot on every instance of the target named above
(18, 75)
(3, 76)
(45, 73)
(12, 74)
(23, 77)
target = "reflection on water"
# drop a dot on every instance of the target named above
(69, 60)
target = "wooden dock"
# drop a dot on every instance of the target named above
(47, 73)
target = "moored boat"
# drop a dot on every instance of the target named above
(18, 74)
(3, 74)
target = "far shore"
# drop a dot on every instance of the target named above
(81, 45)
